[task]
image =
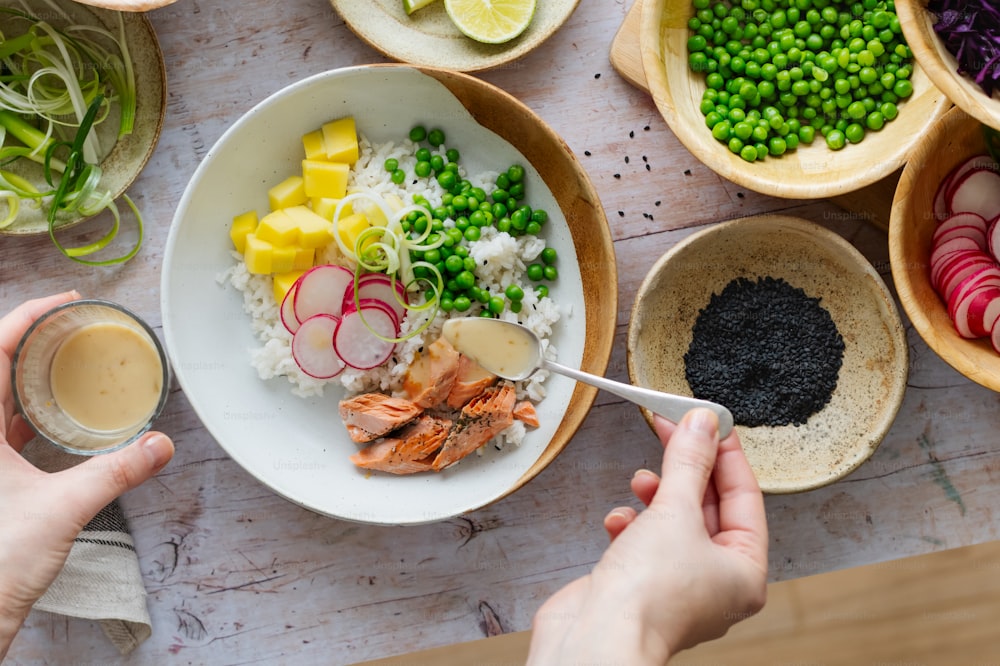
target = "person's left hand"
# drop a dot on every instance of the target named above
(40, 513)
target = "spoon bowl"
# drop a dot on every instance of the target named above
(514, 352)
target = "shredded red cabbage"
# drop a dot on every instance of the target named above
(970, 30)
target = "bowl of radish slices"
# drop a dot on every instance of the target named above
(944, 246)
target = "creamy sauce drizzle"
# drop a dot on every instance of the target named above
(509, 351)
(107, 377)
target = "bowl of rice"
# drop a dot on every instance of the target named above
(222, 318)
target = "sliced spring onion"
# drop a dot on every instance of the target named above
(56, 86)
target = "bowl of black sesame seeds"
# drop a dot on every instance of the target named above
(789, 326)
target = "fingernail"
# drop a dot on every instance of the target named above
(642, 472)
(702, 421)
(159, 450)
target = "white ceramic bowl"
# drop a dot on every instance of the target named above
(298, 447)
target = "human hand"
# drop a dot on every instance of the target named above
(680, 572)
(42, 513)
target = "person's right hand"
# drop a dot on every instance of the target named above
(680, 572)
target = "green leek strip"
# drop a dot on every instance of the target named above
(13, 207)
(77, 191)
(437, 287)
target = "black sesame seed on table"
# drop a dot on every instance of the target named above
(617, 175)
(626, 159)
(767, 351)
(587, 153)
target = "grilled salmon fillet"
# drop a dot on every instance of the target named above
(470, 381)
(368, 416)
(525, 411)
(407, 451)
(430, 377)
(481, 419)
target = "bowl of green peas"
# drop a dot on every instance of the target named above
(792, 98)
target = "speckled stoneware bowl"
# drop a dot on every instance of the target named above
(842, 435)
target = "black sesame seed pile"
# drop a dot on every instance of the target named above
(767, 351)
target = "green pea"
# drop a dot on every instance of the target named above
(452, 154)
(418, 133)
(447, 179)
(436, 162)
(540, 216)
(854, 133)
(550, 273)
(453, 264)
(462, 303)
(549, 255)
(503, 224)
(542, 290)
(875, 120)
(398, 176)
(446, 304)
(515, 173)
(435, 137)
(777, 146)
(391, 164)
(533, 228)
(516, 190)
(835, 139)
(422, 169)
(749, 153)
(889, 110)
(495, 304)
(535, 272)
(902, 88)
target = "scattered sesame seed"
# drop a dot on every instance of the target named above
(649, 168)
(739, 195)
(626, 159)
(657, 202)
(618, 175)
(687, 172)
(646, 128)
(587, 153)
(621, 213)
(631, 135)
(645, 159)
(597, 76)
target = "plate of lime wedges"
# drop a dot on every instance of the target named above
(462, 35)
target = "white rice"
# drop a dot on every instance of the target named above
(501, 260)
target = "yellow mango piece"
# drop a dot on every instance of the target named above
(283, 282)
(325, 207)
(313, 230)
(341, 140)
(283, 259)
(278, 228)
(243, 224)
(325, 179)
(350, 227)
(306, 257)
(313, 144)
(258, 255)
(289, 192)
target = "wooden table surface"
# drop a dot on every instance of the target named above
(237, 575)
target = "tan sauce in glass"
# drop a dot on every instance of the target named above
(107, 377)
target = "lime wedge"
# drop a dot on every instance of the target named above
(491, 21)
(410, 6)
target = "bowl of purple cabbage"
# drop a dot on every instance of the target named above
(957, 42)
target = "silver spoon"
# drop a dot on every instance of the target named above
(514, 352)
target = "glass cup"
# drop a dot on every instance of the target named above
(90, 377)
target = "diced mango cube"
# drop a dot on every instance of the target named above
(325, 179)
(305, 257)
(258, 255)
(350, 227)
(341, 140)
(283, 282)
(283, 259)
(278, 228)
(289, 192)
(313, 144)
(313, 230)
(326, 207)
(243, 224)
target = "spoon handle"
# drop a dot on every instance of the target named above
(669, 406)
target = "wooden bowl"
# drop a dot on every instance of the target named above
(941, 66)
(911, 226)
(247, 415)
(812, 171)
(842, 435)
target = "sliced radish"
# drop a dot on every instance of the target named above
(947, 262)
(375, 303)
(961, 224)
(936, 254)
(974, 163)
(961, 270)
(971, 310)
(987, 277)
(288, 309)
(355, 343)
(378, 286)
(321, 291)
(995, 336)
(312, 347)
(978, 192)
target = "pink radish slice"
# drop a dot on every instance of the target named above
(288, 309)
(936, 254)
(952, 260)
(995, 337)
(974, 233)
(972, 308)
(974, 163)
(950, 281)
(312, 347)
(356, 345)
(378, 286)
(370, 303)
(993, 237)
(965, 221)
(321, 291)
(987, 277)
(977, 192)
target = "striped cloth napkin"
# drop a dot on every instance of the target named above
(101, 579)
